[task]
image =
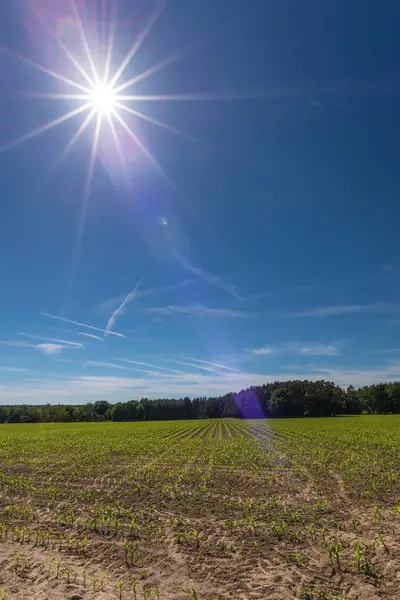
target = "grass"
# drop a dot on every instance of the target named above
(201, 509)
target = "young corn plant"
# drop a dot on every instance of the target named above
(93, 520)
(380, 539)
(146, 593)
(133, 527)
(196, 536)
(333, 550)
(279, 528)
(133, 583)
(133, 556)
(17, 561)
(82, 545)
(116, 524)
(363, 565)
(252, 523)
(310, 530)
(67, 572)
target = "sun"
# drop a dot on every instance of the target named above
(103, 99)
(103, 96)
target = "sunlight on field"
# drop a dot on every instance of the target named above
(293, 508)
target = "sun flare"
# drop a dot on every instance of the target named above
(103, 99)
(99, 93)
(102, 94)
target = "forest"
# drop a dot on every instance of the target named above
(279, 399)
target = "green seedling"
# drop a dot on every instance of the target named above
(133, 583)
(362, 562)
(196, 536)
(17, 561)
(333, 550)
(380, 539)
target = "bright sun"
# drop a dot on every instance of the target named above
(103, 96)
(103, 99)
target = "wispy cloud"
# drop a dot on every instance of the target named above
(12, 369)
(47, 347)
(50, 348)
(388, 274)
(16, 344)
(214, 364)
(86, 388)
(265, 351)
(317, 349)
(122, 308)
(198, 310)
(113, 303)
(195, 366)
(214, 280)
(149, 365)
(79, 389)
(63, 343)
(96, 363)
(304, 349)
(92, 336)
(339, 309)
(78, 324)
(359, 377)
(157, 372)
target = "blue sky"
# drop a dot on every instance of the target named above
(258, 242)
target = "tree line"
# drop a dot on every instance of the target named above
(279, 399)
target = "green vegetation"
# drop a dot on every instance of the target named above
(208, 509)
(278, 399)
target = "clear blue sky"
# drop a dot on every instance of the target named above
(265, 243)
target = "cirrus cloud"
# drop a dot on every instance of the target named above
(198, 310)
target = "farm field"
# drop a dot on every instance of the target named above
(201, 510)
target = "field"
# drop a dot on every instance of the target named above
(282, 509)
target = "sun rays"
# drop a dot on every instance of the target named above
(102, 95)
(98, 93)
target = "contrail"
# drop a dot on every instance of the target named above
(121, 309)
(213, 364)
(45, 314)
(214, 280)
